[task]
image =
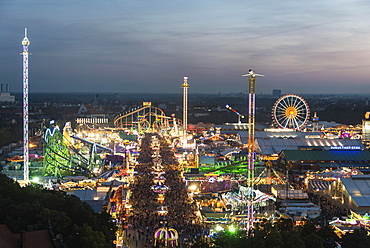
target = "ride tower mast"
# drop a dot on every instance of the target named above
(251, 153)
(25, 53)
(185, 86)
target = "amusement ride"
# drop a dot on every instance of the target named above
(147, 118)
(291, 112)
(252, 76)
(25, 53)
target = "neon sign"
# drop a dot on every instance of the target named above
(345, 148)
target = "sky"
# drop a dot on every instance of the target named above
(149, 46)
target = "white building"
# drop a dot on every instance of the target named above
(5, 95)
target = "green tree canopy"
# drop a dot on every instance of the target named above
(20, 207)
(358, 239)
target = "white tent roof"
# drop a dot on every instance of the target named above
(275, 146)
(358, 187)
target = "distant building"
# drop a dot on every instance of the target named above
(88, 114)
(162, 106)
(5, 95)
(95, 102)
(276, 93)
(89, 111)
(200, 114)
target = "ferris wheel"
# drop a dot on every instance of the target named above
(291, 111)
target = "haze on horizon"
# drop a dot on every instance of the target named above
(317, 47)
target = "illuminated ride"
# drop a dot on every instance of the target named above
(146, 119)
(159, 188)
(25, 53)
(62, 157)
(238, 167)
(236, 112)
(269, 176)
(58, 160)
(252, 76)
(166, 236)
(237, 200)
(291, 112)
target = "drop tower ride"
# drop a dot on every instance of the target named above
(185, 87)
(251, 153)
(25, 53)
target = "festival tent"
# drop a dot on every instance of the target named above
(353, 191)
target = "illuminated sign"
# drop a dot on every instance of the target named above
(345, 148)
(147, 103)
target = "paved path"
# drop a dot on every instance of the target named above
(136, 240)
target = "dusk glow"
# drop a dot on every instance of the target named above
(149, 46)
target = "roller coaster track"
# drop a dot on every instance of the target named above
(148, 118)
(118, 122)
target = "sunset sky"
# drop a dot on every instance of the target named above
(149, 46)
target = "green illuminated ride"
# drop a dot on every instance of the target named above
(56, 155)
(61, 158)
(239, 167)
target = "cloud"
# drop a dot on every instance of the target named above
(135, 46)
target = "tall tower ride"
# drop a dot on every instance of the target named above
(251, 153)
(25, 53)
(185, 86)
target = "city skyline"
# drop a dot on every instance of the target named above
(137, 46)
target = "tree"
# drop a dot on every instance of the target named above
(292, 239)
(20, 207)
(313, 240)
(85, 236)
(227, 239)
(274, 240)
(284, 224)
(328, 236)
(358, 239)
(307, 228)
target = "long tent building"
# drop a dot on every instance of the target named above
(353, 192)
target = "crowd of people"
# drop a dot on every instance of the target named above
(179, 210)
(329, 209)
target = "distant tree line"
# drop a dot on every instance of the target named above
(70, 218)
(9, 135)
